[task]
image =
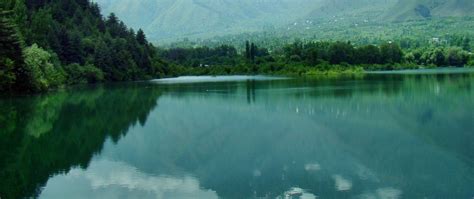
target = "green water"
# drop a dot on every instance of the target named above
(377, 136)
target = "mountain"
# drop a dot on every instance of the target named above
(406, 10)
(394, 10)
(331, 8)
(168, 20)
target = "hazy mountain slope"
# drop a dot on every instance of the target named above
(137, 13)
(330, 8)
(168, 19)
(420, 9)
(456, 8)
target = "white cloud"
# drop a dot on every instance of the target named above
(342, 184)
(312, 167)
(110, 179)
(383, 193)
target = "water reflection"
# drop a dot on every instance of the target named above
(111, 179)
(382, 136)
(45, 135)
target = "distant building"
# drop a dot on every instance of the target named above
(438, 41)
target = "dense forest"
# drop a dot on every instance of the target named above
(46, 44)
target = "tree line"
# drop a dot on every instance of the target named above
(303, 57)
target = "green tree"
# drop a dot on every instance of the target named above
(295, 48)
(471, 61)
(78, 74)
(456, 56)
(391, 53)
(11, 59)
(141, 38)
(42, 74)
(21, 15)
(341, 52)
(368, 55)
(70, 49)
(7, 74)
(466, 44)
(438, 58)
(253, 52)
(40, 28)
(247, 50)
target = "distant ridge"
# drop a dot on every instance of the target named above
(167, 20)
(406, 10)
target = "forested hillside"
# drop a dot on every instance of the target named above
(49, 43)
(171, 20)
(166, 20)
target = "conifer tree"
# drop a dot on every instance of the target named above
(141, 38)
(247, 50)
(11, 59)
(253, 52)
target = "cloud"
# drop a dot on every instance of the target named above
(342, 184)
(312, 167)
(110, 179)
(383, 193)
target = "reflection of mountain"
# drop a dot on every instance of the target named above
(46, 135)
(363, 132)
(335, 139)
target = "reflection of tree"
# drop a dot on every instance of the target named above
(250, 86)
(445, 98)
(46, 135)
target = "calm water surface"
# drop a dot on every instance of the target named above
(378, 136)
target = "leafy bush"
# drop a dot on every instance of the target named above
(457, 57)
(295, 58)
(7, 75)
(471, 61)
(78, 74)
(41, 73)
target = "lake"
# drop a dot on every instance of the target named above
(385, 135)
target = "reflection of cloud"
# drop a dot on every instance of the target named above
(109, 179)
(342, 184)
(257, 173)
(297, 193)
(312, 167)
(383, 193)
(365, 173)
